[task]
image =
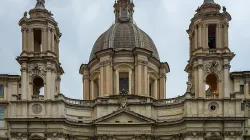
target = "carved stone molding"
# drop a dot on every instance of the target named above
(141, 62)
(19, 135)
(226, 66)
(106, 63)
(212, 67)
(36, 70)
(232, 133)
(37, 109)
(85, 75)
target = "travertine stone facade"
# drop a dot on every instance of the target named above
(124, 85)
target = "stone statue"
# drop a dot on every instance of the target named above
(189, 86)
(25, 14)
(224, 9)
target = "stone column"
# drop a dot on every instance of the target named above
(102, 82)
(24, 39)
(201, 80)
(53, 41)
(117, 82)
(109, 78)
(31, 40)
(196, 82)
(24, 82)
(199, 35)
(49, 39)
(48, 82)
(206, 36)
(226, 35)
(44, 40)
(196, 37)
(155, 89)
(203, 32)
(130, 81)
(52, 84)
(246, 86)
(162, 84)
(218, 36)
(92, 90)
(86, 95)
(226, 79)
(145, 79)
(139, 77)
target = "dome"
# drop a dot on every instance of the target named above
(124, 36)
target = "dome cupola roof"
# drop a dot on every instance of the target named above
(124, 34)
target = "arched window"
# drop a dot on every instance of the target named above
(37, 40)
(96, 87)
(212, 90)
(212, 36)
(38, 86)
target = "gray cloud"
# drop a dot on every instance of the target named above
(82, 21)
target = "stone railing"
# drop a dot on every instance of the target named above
(75, 101)
(37, 97)
(170, 101)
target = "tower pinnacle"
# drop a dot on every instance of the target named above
(40, 4)
(209, 2)
(124, 10)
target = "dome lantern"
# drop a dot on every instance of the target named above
(124, 10)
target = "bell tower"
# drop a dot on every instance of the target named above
(39, 59)
(209, 64)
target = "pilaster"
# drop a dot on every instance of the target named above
(86, 95)
(226, 34)
(226, 68)
(24, 82)
(163, 79)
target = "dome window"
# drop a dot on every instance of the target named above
(123, 81)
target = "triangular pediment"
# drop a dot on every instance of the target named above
(124, 117)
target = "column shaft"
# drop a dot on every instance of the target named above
(196, 38)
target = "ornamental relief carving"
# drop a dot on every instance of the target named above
(123, 67)
(106, 63)
(210, 135)
(37, 109)
(213, 67)
(36, 70)
(141, 62)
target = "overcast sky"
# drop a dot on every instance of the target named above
(82, 21)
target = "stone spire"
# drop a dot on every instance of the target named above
(208, 6)
(124, 10)
(40, 4)
(208, 2)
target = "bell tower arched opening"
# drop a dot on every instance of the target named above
(212, 90)
(212, 36)
(38, 86)
(37, 40)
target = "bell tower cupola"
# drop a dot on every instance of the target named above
(124, 10)
(39, 58)
(210, 55)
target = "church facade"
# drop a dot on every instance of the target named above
(124, 85)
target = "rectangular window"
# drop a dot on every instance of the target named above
(242, 89)
(1, 90)
(1, 113)
(123, 81)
